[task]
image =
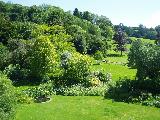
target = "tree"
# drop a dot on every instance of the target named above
(157, 28)
(4, 55)
(5, 28)
(76, 13)
(79, 38)
(87, 16)
(145, 58)
(120, 39)
(43, 57)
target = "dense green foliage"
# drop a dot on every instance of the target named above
(74, 54)
(34, 38)
(40, 92)
(145, 58)
(141, 32)
(76, 68)
(145, 92)
(7, 98)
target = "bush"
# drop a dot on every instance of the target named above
(121, 91)
(7, 98)
(80, 90)
(100, 76)
(23, 98)
(17, 74)
(76, 68)
(98, 55)
(42, 91)
(145, 58)
(135, 91)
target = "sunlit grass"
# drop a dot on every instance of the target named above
(85, 108)
(117, 71)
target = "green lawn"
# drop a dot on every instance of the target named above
(122, 60)
(116, 70)
(85, 108)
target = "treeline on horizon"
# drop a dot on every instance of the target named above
(42, 15)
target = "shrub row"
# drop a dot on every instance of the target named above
(146, 92)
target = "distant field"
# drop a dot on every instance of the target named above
(85, 108)
(144, 40)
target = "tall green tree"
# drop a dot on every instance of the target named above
(43, 57)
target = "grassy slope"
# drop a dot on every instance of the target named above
(86, 108)
(117, 71)
(117, 66)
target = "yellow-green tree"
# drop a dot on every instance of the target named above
(43, 57)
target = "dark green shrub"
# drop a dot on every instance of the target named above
(4, 55)
(7, 98)
(121, 91)
(98, 55)
(17, 74)
(134, 91)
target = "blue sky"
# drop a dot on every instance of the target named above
(129, 12)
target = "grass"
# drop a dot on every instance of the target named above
(144, 40)
(117, 66)
(85, 108)
(121, 60)
(117, 71)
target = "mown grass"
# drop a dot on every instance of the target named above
(85, 108)
(143, 40)
(117, 70)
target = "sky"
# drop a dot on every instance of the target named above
(128, 12)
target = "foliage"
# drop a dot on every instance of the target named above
(43, 58)
(80, 90)
(23, 98)
(101, 76)
(133, 55)
(141, 32)
(7, 98)
(145, 58)
(17, 74)
(145, 92)
(43, 90)
(19, 52)
(5, 28)
(120, 39)
(4, 55)
(76, 68)
(98, 55)
(23, 30)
